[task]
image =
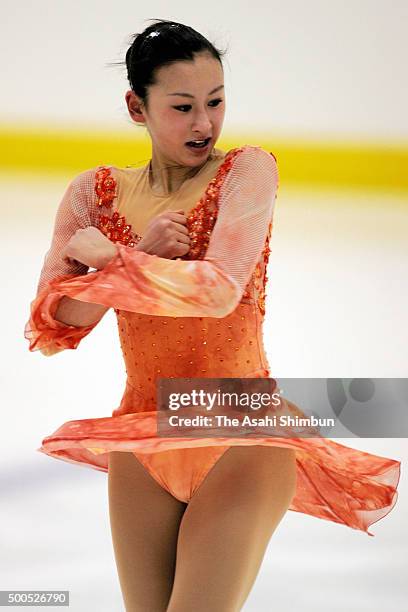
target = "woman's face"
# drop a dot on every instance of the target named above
(172, 120)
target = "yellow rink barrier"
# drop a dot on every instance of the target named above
(326, 163)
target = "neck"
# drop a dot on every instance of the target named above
(167, 177)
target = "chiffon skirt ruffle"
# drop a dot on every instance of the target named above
(334, 482)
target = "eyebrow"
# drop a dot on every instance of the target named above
(187, 95)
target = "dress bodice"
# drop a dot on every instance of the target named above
(196, 347)
(191, 347)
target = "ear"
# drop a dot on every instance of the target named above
(134, 105)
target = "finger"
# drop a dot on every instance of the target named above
(177, 216)
(183, 239)
(181, 229)
(181, 249)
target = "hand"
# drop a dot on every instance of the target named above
(166, 235)
(90, 247)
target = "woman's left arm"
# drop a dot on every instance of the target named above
(211, 287)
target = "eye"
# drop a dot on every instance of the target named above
(188, 106)
(183, 106)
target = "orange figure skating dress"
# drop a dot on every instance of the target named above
(197, 316)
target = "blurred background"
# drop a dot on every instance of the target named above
(323, 86)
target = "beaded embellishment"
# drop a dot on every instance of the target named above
(113, 227)
(200, 223)
(260, 274)
(259, 277)
(201, 219)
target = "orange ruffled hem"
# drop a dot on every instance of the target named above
(334, 482)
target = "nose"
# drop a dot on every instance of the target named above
(201, 123)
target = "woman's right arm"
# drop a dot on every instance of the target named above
(166, 236)
(58, 322)
(79, 314)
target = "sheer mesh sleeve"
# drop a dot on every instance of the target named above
(43, 331)
(247, 202)
(138, 282)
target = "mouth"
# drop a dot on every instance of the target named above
(199, 146)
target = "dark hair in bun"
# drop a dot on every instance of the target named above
(161, 44)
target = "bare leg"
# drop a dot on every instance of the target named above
(227, 525)
(144, 520)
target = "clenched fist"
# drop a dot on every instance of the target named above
(166, 235)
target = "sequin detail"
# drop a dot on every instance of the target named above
(112, 226)
(201, 219)
(200, 223)
(260, 276)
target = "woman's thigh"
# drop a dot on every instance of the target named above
(227, 525)
(144, 520)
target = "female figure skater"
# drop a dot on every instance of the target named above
(180, 248)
